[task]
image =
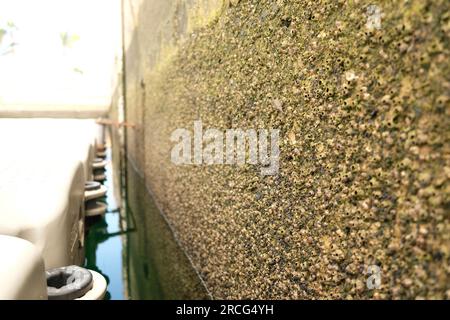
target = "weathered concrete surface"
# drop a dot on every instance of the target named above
(157, 268)
(365, 156)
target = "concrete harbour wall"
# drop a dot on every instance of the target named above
(364, 116)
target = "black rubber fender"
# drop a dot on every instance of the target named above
(99, 171)
(68, 283)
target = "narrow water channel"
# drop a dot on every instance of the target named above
(135, 250)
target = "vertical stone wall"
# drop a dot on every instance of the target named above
(360, 92)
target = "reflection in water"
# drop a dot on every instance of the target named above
(135, 250)
(156, 266)
(97, 234)
(104, 253)
(104, 245)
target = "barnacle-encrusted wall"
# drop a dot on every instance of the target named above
(364, 116)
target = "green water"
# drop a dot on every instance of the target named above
(135, 249)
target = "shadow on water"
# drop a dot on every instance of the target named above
(134, 249)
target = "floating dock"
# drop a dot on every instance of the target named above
(44, 167)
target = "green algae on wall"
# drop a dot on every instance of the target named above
(156, 267)
(160, 27)
(364, 173)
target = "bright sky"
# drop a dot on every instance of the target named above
(41, 70)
